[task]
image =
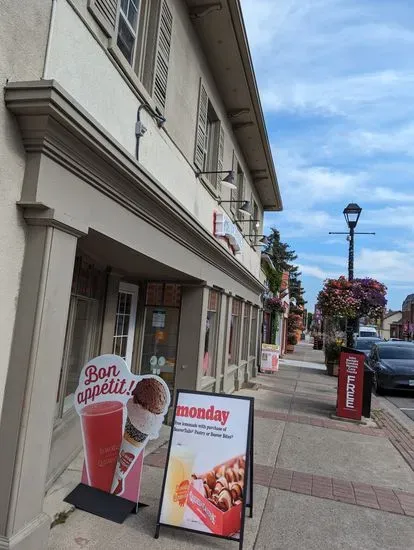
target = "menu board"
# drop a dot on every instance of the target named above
(208, 477)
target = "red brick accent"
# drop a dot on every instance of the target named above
(361, 494)
(350, 492)
(399, 436)
(321, 422)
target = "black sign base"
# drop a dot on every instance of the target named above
(102, 504)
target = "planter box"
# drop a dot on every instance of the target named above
(332, 368)
(290, 348)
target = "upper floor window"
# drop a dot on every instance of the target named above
(255, 221)
(209, 147)
(237, 195)
(127, 27)
(142, 32)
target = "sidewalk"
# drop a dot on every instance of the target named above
(319, 483)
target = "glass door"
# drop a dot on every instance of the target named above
(162, 315)
(125, 322)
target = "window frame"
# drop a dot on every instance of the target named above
(253, 337)
(89, 351)
(214, 334)
(122, 15)
(246, 336)
(142, 64)
(133, 290)
(235, 334)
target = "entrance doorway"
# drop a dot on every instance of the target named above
(162, 316)
(125, 321)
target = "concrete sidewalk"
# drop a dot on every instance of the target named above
(319, 483)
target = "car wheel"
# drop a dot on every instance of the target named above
(377, 385)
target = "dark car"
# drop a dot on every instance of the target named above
(393, 366)
(365, 344)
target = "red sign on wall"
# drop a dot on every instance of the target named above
(350, 384)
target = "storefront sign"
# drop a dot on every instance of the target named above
(120, 412)
(207, 480)
(270, 358)
(350, 384)
(224, 227)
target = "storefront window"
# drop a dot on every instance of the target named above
(246, 326)
(266, 328)
(162, 313)
(253, 332)
(235, 332)
(210, 344)
(82, 329)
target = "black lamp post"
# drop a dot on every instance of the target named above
(351, 213)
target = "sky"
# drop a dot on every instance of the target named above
(336, 79)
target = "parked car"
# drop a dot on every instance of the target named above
(393, 366)
(367, 332)
(365, 344)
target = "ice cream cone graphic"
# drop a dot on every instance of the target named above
(145, 414)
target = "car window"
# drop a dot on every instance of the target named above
(365, 343)
(396, 352)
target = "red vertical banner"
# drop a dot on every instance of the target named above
(350, 384)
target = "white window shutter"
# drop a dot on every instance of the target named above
(162, 57)
(201, 128)
(220, 156)
(105, 13)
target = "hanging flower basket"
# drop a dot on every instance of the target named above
(275, 305)
(352, 299)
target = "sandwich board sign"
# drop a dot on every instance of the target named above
(208, 481)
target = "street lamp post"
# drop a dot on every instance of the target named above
(351, 213)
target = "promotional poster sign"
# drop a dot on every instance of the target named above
(350, 384)
(119, 413)
(270, 358)
(208, 477)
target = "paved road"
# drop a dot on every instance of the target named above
(404, 402)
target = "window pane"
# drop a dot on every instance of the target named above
(160, 343)
(122, 321)
(126, 39)
(81, 349)
(235, 333)
(133, 13)
(253, 333)
(210, 344)
(246, 326)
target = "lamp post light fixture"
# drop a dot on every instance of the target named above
(262, 240)
(227, 180)
(351, 213)
(245, 207)
(256, 222)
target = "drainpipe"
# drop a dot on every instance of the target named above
(140, 129)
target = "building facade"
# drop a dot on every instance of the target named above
(113, 238)
(390, 320)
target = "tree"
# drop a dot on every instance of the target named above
(280, 253)
(283, 258)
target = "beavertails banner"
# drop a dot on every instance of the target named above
(207, 478)
(119, 412)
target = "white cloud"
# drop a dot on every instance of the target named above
(337, 81)
(389, 266)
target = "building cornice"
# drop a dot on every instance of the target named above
(55, 125)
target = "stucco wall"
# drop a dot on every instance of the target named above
(21, 58)
(79, 62)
